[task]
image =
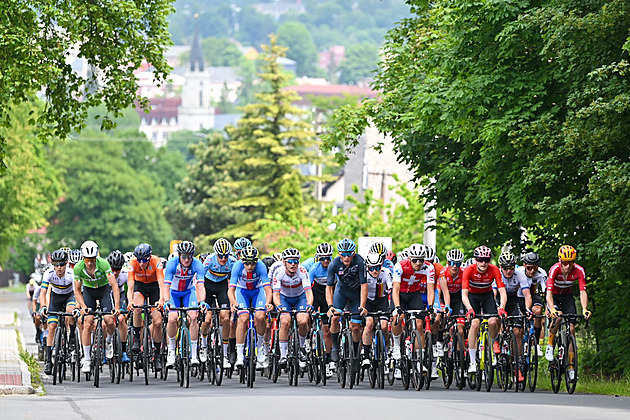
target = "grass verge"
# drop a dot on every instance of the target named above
(33, 366)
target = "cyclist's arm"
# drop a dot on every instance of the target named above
(503, 295)
(115, 290)
(231, 296)
(276, 298)
(550, 304)
(445, 292)
(583, 299)
(267, 289)
(528, 298)
(78, 295)
(396, 293)
(364, 294)
(330, 292)
(466, 300)
(163, 289)
(309, 297)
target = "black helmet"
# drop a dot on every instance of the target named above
(531, 258)
(249, 254)
(116, 259)
(59, 255)
(143, 251)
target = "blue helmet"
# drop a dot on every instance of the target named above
(346, 245)
(241, 243)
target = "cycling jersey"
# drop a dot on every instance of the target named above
(59, 285)
(476, 282)
(559, 285)
(291, 285)
(308, 263)
(514, 284)
(100, 275)
(216, 272)
(153, 272)
(389, 265)
(122, 277)
(272, 269)
(180, 278)
(413, 281)
(454, 284)
(318, 274)
(540, 278)
(241, 279)
(349, 278)
(378, 286)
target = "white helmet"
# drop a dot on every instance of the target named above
(128, 256)
(373, 259)
(429, 253)
(89, 249)
(417, 251)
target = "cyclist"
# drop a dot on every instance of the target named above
(94, 276)
(292, 290)
(31, 287)
(530, 300)
(145, 282)
(116, 261)
(450, 279)
(379, 280)
(477, 296)
(250, 287)
(346, 287)
(184, 284)
(74, 256)
(318, 275)
(562, 276)
(380, 249)
(433, 289)
(218, 267)
(58, 292)
(239, 244)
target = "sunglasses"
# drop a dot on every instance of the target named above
(221, 256)
(292, 261)
(455, 263)
(249, 262)
(530, 267)
(90, 260)
(483, 260)
(416, 260)
(323, 259)
(346, 254)
(375, 268)
(59, 264)
(185, 256)
(142, 260)
(509, 267)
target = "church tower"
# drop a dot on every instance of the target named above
(196, 111)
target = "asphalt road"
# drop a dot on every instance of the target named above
(276, 401)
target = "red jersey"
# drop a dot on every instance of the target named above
(438, 269)
(454, 284)
(477, 282)
(564, 286)
(413, 281)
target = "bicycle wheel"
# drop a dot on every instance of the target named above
(146, 353)
(488, 369)
(427, 359)
(532, 363)
(380, 359)
(55, 355)
(97, 355)
(571, 357)
(480, 357)
(445, 363)
(350, 371)
(515, 364)
(251, 358)
(186, 357)
(503, 365)
(275, 358)
(321, 355)
(416, 361)
(555, 365)
(111, 363)
(459, 361)
(118, 355)
(218, 357)
(343, 357)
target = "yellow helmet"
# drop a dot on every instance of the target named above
(567, 253)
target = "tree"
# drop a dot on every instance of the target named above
(360, 63)
(301, 47)
(221, 52)
(38, 38)
(514, 117)
(269, 144)
(30, 186)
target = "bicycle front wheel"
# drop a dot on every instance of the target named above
(416, 360)
(488, 369)
(56, 362)
(251, 358)
(427, 359)
(555, 366)
(571, 366)
(515, 373)
(532, 363)
(97, 355)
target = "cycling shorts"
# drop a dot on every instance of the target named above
(149, 291)
(183, 299)
(319, 301)
(58, 303)
(254, 298)
(345, 299)
(485, 301)
(216, 294)
(414, 301)
(102, 294)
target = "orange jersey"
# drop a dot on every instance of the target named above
(153, 272)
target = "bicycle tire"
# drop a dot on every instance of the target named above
(56, 362)
(532, 363)
(186, 357)
(146, 352)
(427, 359)
(416, 361)
(350, 373)
(97, 357)
(111, 363)
(321, 355)
(480, 357)
(118, 355)
(515, 364)
(381, 359)
(446, 361)
(555, 366)
(251, 358)
(342, 368)
(503, 365)
(571, 383)
(459, 367)
(487, 367)
(219, 357)
(275, 354)
(295, 345)
(405, 373)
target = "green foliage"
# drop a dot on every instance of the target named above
(30, 185)
(38, 38)
(24, 251)
(359, 64)
(221, 52)
(301, 47)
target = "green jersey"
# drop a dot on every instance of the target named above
(100, 275)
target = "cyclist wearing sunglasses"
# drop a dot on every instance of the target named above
(184, 284)
(346, 288)
(478, 297)
(145, 282)
(218, 267)
(379, 280)
(94, 276)
(292, 290)
(318, 275)
(450, 279)
(530, 300)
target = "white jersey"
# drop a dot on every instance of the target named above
(378, 286)
(122, 277)
(291, 286)
(540, 278)
(513, 284)
(59, 285)
(272, 269)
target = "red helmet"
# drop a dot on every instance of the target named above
(482, 252)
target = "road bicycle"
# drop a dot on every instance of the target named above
(485, 368)
(145, 357)
(565, 355)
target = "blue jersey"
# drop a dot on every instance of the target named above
(181, 278)
(389, 265)
(216, 272)
(318, 274)
(308, 263)
(241, 279)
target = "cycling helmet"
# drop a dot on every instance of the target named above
(346, 245)
(507, 259)
(429, 253)
(89, 249)
(203, 256)
(186, 247)
(291, 253)
(276, 256)
(116, 260)
(391, 255)
(268, 261)
(241, 243)
(59, 255)
(249, 253)
(417, 251)
(222, 246)
(143, 251)
(373, 259)
(468, 262)
(163, 261)
(455, 255)
(531, 258)
(324, 250)
(404, 254)
(173, 255)
(75, 256)
(67, 249)
(482, 252)
(378, 248)
(128, 256)
(567, 253)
